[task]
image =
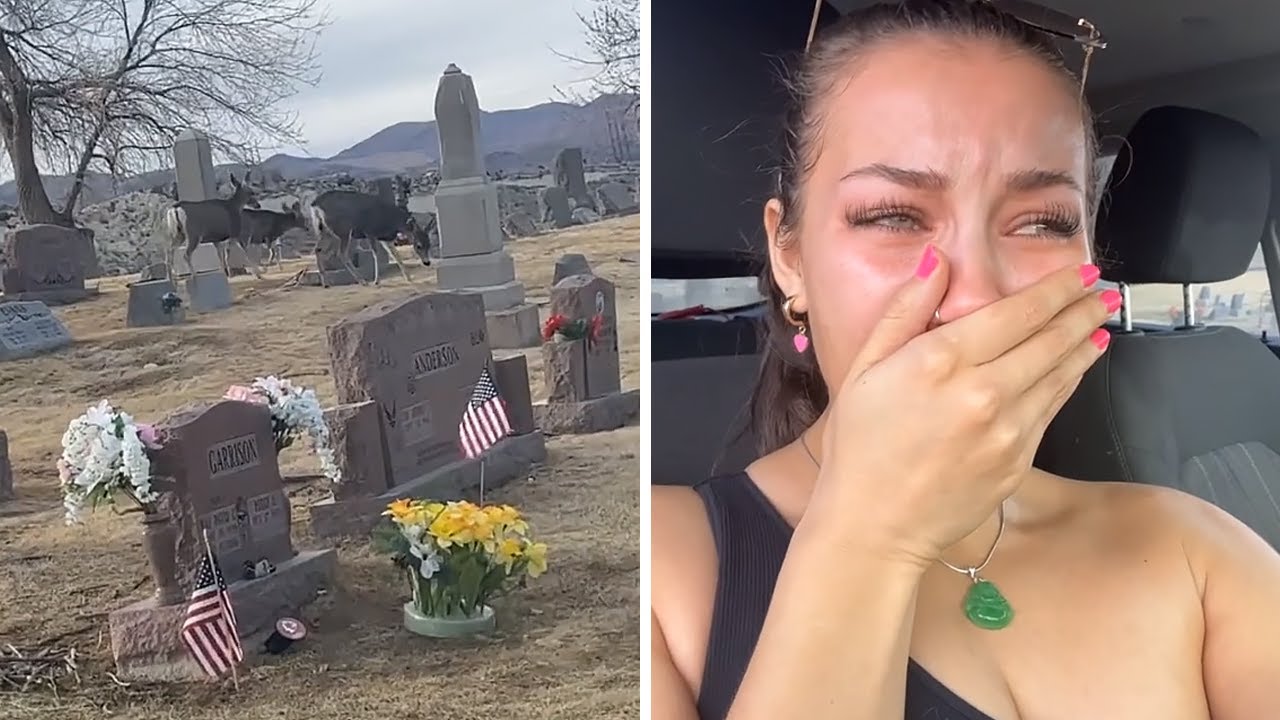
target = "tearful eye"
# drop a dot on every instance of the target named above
(898, 222)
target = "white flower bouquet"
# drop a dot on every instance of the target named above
(295, 412)
(104, 454)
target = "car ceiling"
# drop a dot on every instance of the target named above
(1222, 56)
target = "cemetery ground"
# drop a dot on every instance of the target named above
(565, 647)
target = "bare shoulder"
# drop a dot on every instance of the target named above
(679, 531)
(1213, 542)
(682, 565)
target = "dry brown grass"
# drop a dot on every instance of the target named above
(567, 647)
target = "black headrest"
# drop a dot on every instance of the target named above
(1187, 200)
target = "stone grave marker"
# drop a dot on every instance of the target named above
(570, 264)
(355, 434)
(6, 470)
(472, 256)
(29, 328)
(204, 258)
(555, 207)
(418, 359)
(154, 302)
(218, 474)
(412, 363)
(222, 460)
(511, 375)
(208, 291)
(584, 297)
(583, 377)
(570, 175)
(46, 263)
(616, 199)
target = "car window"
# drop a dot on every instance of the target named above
(1243, 302)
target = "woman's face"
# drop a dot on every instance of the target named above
(965, 145)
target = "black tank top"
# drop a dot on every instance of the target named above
(751, 541)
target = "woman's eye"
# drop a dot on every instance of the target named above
(898, 222)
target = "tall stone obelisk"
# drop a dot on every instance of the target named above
(472, 258)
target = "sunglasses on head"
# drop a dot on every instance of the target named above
(1037, 17)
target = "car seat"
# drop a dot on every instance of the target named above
(1194, 408)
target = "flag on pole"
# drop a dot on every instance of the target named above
(209, 630)
(484, 422)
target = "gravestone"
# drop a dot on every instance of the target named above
(6, 470)
(208, 291)
(385, 189)
(45, 263)
(555, 207)
(583, 377)
(219, 478)
(570, 175)
(417, 359)
(472, 258)
(355, 434)
(519, 224)
(193, 166)
(336, 274)
(570, 264)
(29, 328)
(616, 199)
(1237, 305)
(204, 258)
(511, 375)
(153, 303)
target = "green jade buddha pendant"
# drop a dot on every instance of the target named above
(985, 606)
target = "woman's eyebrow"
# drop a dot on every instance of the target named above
(932, 180)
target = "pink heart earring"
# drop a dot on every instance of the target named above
(801, 339)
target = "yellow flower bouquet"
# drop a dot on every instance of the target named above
(458, 557)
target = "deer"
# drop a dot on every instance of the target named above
(338, 218)
(217, 221)
(267, 227)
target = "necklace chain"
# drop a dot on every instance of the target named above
(972, 572)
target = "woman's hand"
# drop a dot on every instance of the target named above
(930, 431)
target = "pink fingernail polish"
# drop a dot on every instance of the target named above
(1089, 274)
(1112, 299)
(1100, 338)
(928, 263)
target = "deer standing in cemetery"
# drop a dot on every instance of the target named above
(191, 223)
(338, 218)
(267, 227)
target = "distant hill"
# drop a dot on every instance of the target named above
(513, 139)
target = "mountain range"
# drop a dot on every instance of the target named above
(607, 129)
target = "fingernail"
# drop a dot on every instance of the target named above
(1100, 338)
(1089, 274)
(1112, 299)
(928, 263)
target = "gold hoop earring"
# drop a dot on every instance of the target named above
(800, 341)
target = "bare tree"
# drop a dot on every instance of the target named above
(612, 33)
(104, 86)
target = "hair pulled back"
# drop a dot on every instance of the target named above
(790, 393)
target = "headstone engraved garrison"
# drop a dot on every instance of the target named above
(219, 478)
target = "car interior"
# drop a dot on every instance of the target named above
(1188, 107)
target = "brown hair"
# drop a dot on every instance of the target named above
(790, 393)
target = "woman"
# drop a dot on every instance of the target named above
(894, 554)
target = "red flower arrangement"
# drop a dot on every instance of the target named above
(573, 329)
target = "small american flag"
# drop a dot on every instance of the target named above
(484, 422)
(209, 630)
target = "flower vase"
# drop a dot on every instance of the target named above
(160, 539)
(454, 625)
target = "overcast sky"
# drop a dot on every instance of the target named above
(381, 61)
